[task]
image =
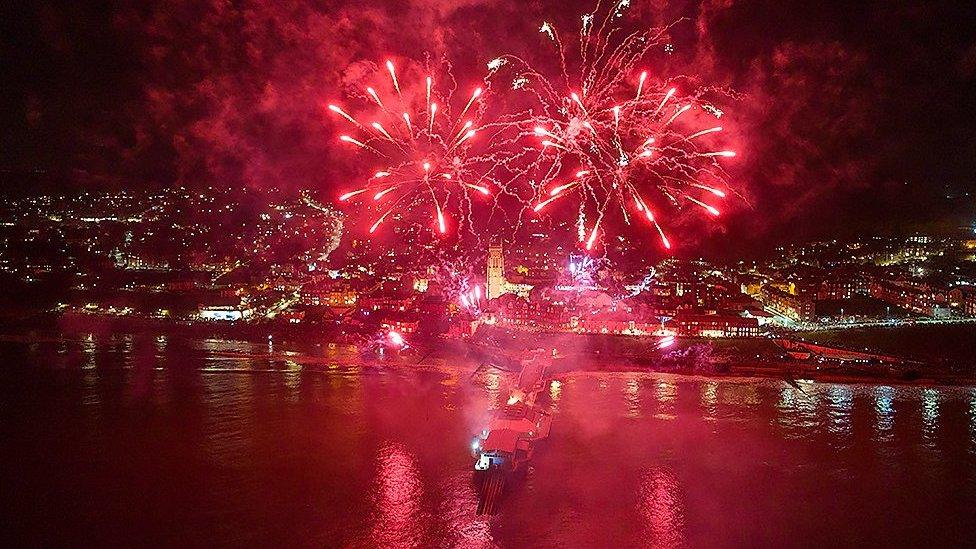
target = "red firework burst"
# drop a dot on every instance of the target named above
(421, 150)
(611, 137)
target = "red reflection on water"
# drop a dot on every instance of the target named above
(398, 518)
(465, 528)
(659, 503)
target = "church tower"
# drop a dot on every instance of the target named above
(496, 271)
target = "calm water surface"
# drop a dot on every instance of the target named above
(142, 440)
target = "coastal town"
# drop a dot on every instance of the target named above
(121, 255)
(488, 274)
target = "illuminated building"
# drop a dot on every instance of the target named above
(919, 298)
(791, 306)
(404, 323)
(516, 312)
(521, 290)
(969, 303)
(695, 325)
(421, 284)
(222, 312)
(496, 271)
(332, 295)
(293, 317)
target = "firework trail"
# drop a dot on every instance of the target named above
(419, 146)
(645, 284)
(471, 298)
(455, 278)
(582, 271)
(611, 136)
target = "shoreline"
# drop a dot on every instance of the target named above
(726, 358)
(738, 374)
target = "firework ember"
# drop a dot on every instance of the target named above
(420, 150)
(470, 298)
(613, 138)
(396, 339)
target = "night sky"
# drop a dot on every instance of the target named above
(849, 119)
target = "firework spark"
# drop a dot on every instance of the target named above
(396, 339)
(454, 276)
(419, 150)
(471, 299)
(635, 142)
